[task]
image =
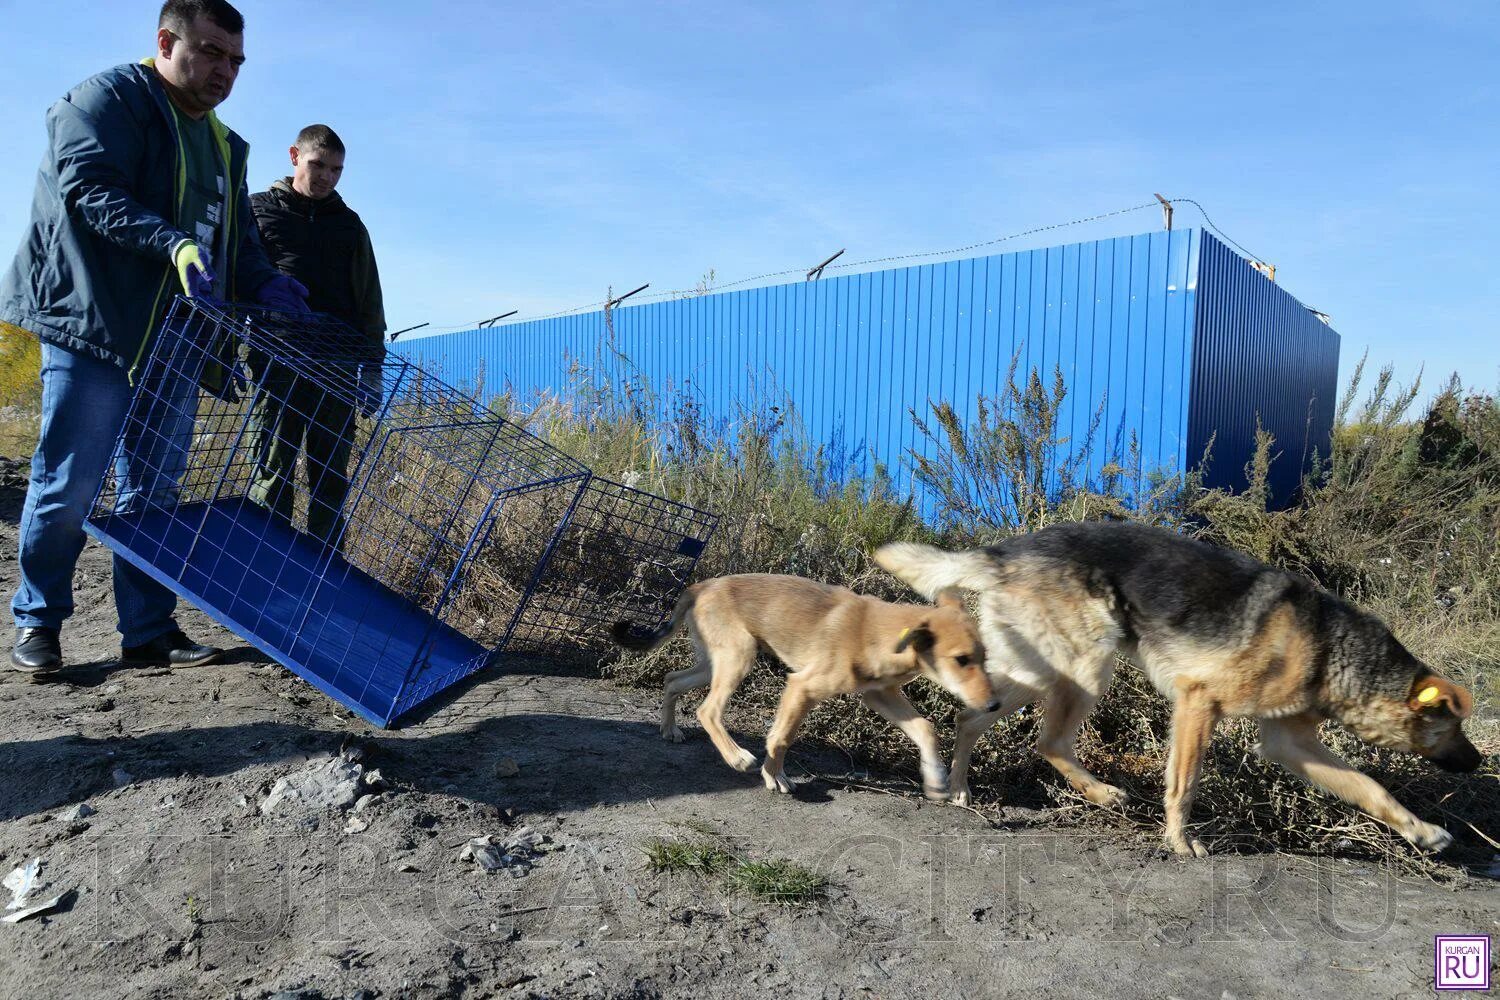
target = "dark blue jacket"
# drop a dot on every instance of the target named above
(94, 272)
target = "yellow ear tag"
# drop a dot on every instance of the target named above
(904, 633)
(1427, 694)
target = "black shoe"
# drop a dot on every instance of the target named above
(173, 649)
(36, 651)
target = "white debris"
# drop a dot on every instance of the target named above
(517, 855)
(374, 779)
(45, 906)
(21, 882)
(482, 852)
(365, 801)
(356, 824)
(330, 784)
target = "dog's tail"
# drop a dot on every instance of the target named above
(928, 570)
(632, 636)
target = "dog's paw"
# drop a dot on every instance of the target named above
(672, 734)
(1189, 847)
(744, 761)
(1107, 796)
(776, 782)
(935, 782)
(1428, 837)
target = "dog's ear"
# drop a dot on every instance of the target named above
(950, 597)
(1431, 692)
(918, 636)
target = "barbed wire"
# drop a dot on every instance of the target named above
(1210, 223)
(871, 261)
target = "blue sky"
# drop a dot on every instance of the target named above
(528, 156)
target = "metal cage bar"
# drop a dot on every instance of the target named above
(379, 532)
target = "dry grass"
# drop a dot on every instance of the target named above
(20, 390)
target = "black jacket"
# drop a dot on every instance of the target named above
(323, 244)
(94, 273)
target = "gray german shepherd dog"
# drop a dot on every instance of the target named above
(1217, 632)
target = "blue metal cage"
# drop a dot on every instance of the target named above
(375, 530)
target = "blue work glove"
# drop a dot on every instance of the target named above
(369, 392)
(197, 280)
(283, 292)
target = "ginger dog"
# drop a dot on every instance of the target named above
(835, 642)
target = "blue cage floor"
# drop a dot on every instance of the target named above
(335, 626)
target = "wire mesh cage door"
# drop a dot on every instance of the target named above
(373, 529)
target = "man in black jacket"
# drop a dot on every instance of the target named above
(311, 235)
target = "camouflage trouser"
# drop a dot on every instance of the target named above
(291, 415)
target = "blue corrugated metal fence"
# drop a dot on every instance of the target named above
(1162, 331)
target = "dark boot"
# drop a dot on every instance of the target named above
(37, 651)
(173, 649)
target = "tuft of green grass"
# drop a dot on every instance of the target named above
(700, 856)
(783, 882)
(778, 881)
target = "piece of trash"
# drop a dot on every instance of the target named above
(506, 767)
(356, 824)
(482, 852)
(374, 779)
(21, 882)
(517, 855)
(121, 777)
(73, 814)
(46, 906)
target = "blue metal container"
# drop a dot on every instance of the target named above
(1172, 338)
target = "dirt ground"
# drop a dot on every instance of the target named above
(183, 888)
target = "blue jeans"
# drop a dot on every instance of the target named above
(84, 406)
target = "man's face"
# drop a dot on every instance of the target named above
(200, 64)
(316, 172)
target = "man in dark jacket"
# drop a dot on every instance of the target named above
(311, 235)
(140, 196)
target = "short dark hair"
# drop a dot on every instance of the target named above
(320, 137)
(178, 15)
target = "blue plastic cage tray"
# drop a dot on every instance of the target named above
(371, 528)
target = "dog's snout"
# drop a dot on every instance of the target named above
(1460, 759)
(993, 706)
